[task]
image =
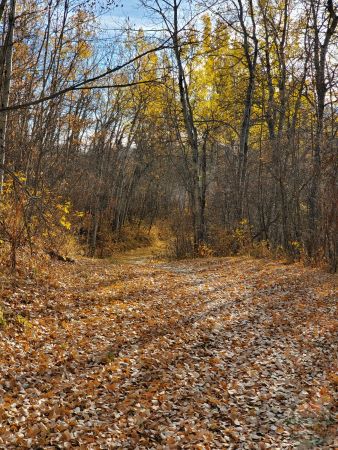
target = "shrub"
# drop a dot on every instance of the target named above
(222, 242)
(2, 318)
(31, 219)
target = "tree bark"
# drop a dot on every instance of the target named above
(320, 56)
(198, 151)
(7, 56)
(251, 60)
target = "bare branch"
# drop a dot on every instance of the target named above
(77, 86)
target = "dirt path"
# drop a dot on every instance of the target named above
(142, 255)
(217, 353)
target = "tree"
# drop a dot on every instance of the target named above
(324, 20)
(5, 79)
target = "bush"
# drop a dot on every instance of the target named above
(32, 220)
(180, 240)
(129, 238)
(222, 242)
(2, 318)
(180, 246)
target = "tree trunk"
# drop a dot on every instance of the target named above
(198, 152)
(251, 60)
(6, 75)
(319, 54)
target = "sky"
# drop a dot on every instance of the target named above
(126, 9)
(137, 16)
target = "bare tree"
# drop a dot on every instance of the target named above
(5, 80)
(170, 13)
(324, 20)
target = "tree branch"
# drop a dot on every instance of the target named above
(79, 85)
(123, 85)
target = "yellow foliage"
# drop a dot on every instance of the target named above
(65, 207)
(65, 223)
(83, 50)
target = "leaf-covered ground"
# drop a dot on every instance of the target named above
(206, 354)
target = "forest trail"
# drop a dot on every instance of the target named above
(204, 354)
(141, 255)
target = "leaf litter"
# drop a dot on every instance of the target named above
(222, 353)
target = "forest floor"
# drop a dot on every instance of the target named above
(134, 353)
